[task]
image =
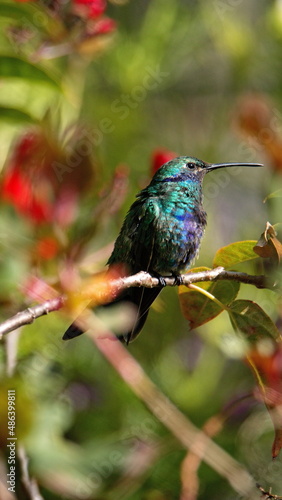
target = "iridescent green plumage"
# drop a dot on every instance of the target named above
(162, 231)
(163, 228)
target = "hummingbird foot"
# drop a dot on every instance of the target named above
(178, 280)
(161, 279)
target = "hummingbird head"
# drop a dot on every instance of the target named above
(185, 168)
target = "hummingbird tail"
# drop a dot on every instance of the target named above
(141, 298)
(72, 332)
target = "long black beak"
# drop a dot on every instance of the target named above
(213, 166)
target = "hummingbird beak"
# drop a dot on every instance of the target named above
(213, 166)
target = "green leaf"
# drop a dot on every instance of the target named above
(14, 67)
(235, 253)
(15, 115)
(252, 321)
(199, 309)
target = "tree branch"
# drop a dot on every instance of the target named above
(27, 316)
(218, 273)
(28, 481)
(142, 278)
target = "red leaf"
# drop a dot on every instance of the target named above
(255, 118)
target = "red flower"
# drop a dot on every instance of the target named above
(26, 146)
(159, 157)
(96, 9)
(103, 26)
(43, 180)
(17, 189)
(90, 8)
(22, 186)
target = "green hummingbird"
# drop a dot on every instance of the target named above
(161, 233)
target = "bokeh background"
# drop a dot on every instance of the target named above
(94, 98)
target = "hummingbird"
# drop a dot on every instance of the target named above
(161, 233)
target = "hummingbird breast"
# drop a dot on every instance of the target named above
(162, 231)
(179, 231)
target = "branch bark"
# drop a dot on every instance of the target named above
(29, 482)
(28, 316)
(218, 273)
(142, 278)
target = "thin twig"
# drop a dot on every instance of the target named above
(267, 494)
(192, 461)
(30, 483)
(27, 316)
(11, 348)
(137, 280)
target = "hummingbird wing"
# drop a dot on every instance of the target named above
(134, 247)
(142, 233)
(143, 244)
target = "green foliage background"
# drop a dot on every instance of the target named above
(86, 434)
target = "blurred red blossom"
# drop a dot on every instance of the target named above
(76, 27)
(268, 364)
(38, 289)
(43, 180)
(90, 8)
(103, 26)
(159, 157)
(17, 190)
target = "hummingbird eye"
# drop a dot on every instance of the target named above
(191, 165)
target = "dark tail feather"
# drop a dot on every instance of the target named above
(72, 332)
(142, 298)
